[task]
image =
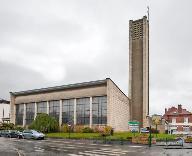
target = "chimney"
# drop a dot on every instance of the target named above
(179, 108)
(165, 110)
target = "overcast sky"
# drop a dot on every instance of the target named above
(46, 43)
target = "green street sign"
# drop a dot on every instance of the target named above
(133, 123)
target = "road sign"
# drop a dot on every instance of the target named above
(133, 123)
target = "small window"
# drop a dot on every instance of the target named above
(173, 120)
(185, 120)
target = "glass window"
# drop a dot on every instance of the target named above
(67, 110)
(185, 120)
(83, 111)
(54, 109)
(42, 107)
(173, 120)
(30, 113)
(99, 110)
(186, 129)
(19, 114)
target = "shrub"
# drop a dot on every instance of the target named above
(45, 123)
(105, 131)
(18, 128)
(153, 130)
(7, 126)
(65, 128)
(78, 128)
(87, 130)
(108, 130)
(96, 129)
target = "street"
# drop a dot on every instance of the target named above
(60, 147)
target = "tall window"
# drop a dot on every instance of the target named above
(185, 119)
(174, 120)
(54, 109)
(30, 113)
(186, 129)
(42, 107)
(19, 114)
(99, 109)
(83, 111)
(67, 110)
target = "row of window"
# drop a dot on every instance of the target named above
(185, 120)
(99, 111)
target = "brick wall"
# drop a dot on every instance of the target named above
(118, 108)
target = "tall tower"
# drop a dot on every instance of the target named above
(139, 70)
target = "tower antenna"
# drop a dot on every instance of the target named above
(148, 12)
(148, 59)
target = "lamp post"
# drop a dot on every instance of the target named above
(150, 136)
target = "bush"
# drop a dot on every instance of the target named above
(78, 128)
(45, 123)
(7, 126)
(153, 130)
(108, 130)
(87, 130)
(65, 128)
(18, 128)
(105, 131)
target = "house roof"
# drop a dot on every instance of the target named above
(174, 111)
(2, 101)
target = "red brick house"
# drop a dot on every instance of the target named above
(179, 120)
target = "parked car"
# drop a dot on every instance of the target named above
(9, 133)
(19, 135)
(32, 134)
(1, 133)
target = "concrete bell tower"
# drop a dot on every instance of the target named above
(139, 70)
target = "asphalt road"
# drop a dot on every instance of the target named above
(59, 147)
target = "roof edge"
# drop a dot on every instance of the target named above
(117, 86)
(62, 87)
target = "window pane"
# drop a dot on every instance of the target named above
(54, 109)
(99, 110)
(42, 107)
(67, 110)
(19, 114)
(83, 111)
(30, 113)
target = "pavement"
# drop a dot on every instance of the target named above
(62, 147)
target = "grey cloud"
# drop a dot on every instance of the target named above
(72, 22)
(16, 78)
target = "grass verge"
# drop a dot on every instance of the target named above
(116, 136)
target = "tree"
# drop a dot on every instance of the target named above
(45, 123)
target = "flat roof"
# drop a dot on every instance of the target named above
(2, 101)
(63, 87)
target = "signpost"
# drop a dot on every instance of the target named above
(69, 125)
(133, 126)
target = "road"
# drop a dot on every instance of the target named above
(61, 147)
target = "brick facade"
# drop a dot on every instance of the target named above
(179, 119)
